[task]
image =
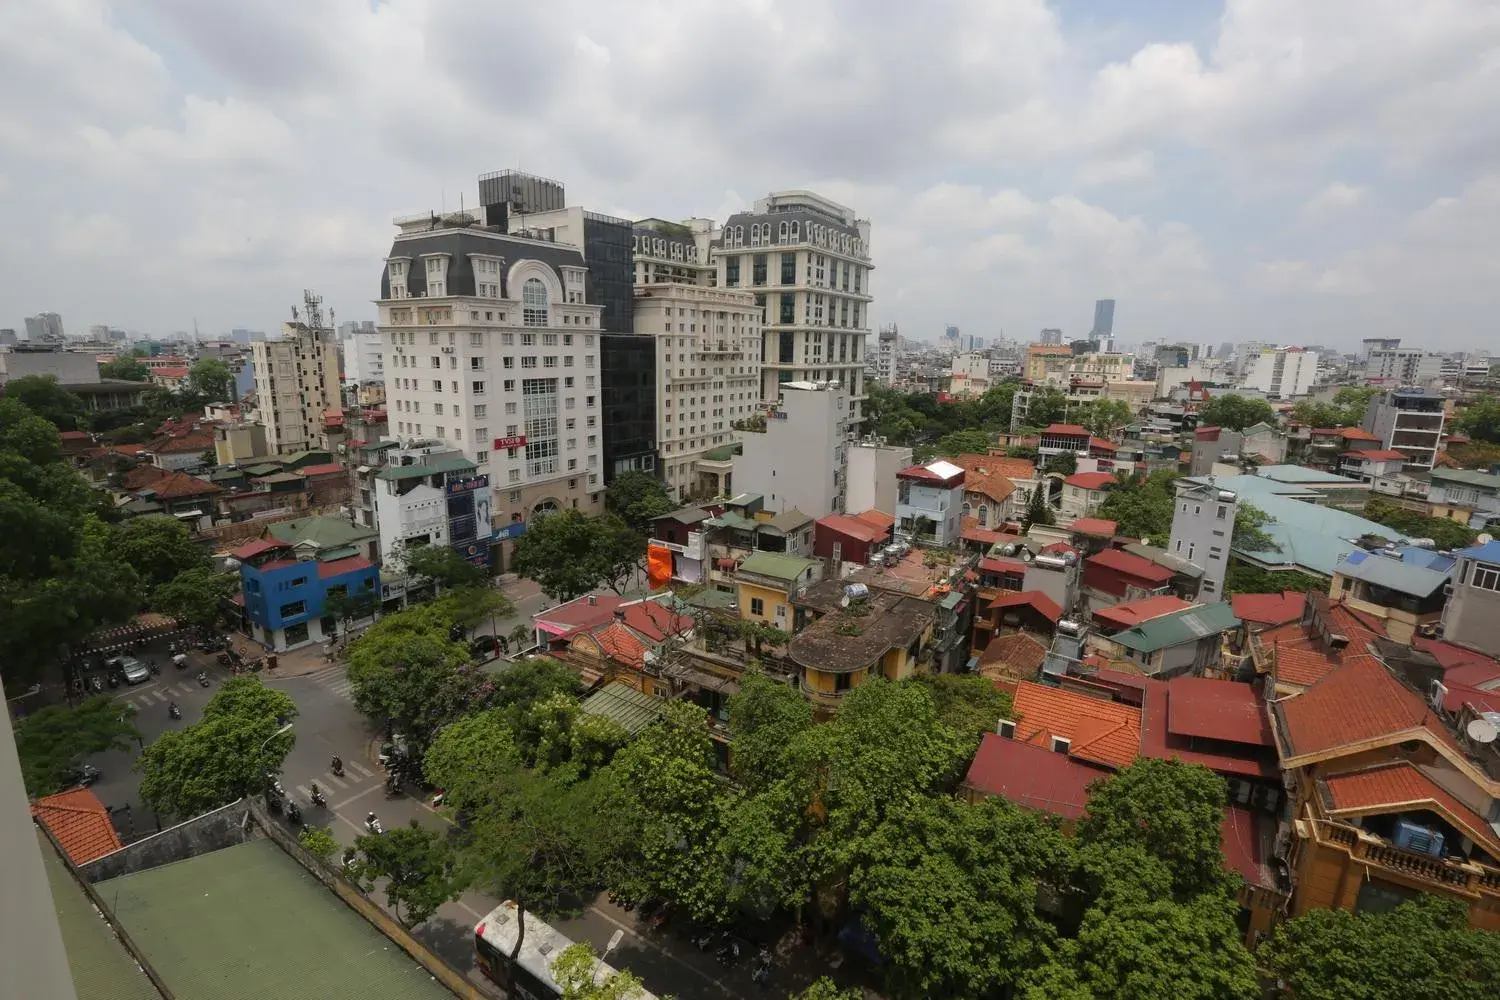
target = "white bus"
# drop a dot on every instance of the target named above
(529, 975)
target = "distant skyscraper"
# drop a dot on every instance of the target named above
(1051, 335)
(1104, 319)
(44, 327)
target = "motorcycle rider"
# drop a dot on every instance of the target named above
(173, 712)
(372, 823)
(337, 766)
(316, 794)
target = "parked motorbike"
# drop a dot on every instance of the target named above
(154, 667)
(202, 679)
(273, 803)
(114, 679)
(273, 782)
(293, 812)
(392, 785)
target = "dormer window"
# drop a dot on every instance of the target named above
(1060, 745)
(1006, 729)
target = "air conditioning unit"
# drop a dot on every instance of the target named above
(447, 350)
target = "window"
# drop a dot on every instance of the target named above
(437, 385)
(528, 361)
(1215, 553)
(293, 609)
(481, 457)
(534, 302)
(476, 339)
(1222, 510)
(476, 364)
(732, 272)
(478, 388)
(510, 386)
(481, 411)
(1486, 577)
(1060, 745)
(1007, 728)
(757, 606)
(480, 433)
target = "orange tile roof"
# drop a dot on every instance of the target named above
(1275, 609)
(881, 520)
(1031, 598)
(654, 621)
(1132, 613)
(1359, 701)
(1090, 480)
(141, 477)
(987, 474)
(175, 485)
(1398, 785)
(1015, 655)
(79, 822)
(1098, 527)
(1103, 732)
(621, 644)
(1303, 663)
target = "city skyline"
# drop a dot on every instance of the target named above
(1221, 170)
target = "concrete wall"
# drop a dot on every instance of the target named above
(1472, 615)
(224, 827)
(872, 477)
(65, 366)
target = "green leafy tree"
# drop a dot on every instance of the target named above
(1171, 810)
(418, 866)
(211, 379)
(1243, 578)
(576, 971)
(765, 717)
(1141, 507)
(516, 693)
(1236, 412)
(1249, 530)
(43, 396)
(638, 497)
(1048, 405)
(158, 548)
(318, 840)
(974, 442)
(1038, 511)
(1064, 464)
(195, 595)
(936, 865)
(826, 989)
(126, 369)
(967, 704)
(346, 607)
(442, 565)
(469, 757)
(53, 742)
(1481, 419)
(1103, 417)
(223, 757)
(1423, 949)
(412, 683)
(570, 554)
(1444, 533)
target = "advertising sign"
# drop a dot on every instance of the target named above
(518, 441)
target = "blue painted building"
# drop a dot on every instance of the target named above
(285, 589)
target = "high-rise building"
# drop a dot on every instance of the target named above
(45, 326)
(297, 381)
(1051, 335)
(1371, 344)
(361, 352)
(1408, 420)
(807, 261)
(1400, 366)
(1104, 319)
(491, 345)
(889, 348)
(1282, 373)
(8, 337)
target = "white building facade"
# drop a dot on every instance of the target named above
(1401, 366)
(929, 503)
(363, 354)
(296, 383)
(1282, 373)
(807, 262)
(801, 458)
(491, 347)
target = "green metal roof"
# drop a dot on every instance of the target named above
(1468, 477)
(729, 519)
(777, 566)
(326, 532)
(623, 703)
(102, 968)
(263, 469)
(431, 466)
(1187, 625)
(306, 458)
(248, 922)
(790, 520)
(709, 598)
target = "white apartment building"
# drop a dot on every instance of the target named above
(807, 261)
(364, 357)
(801, 459)
(410, 497)
(1401, 366)
(886, 353)
(873, 465)
(296, 383)
(491, 347)
(969, 374)
(1282, 372)
(707, 374)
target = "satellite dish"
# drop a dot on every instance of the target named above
(1485, 538)
(1482, 731)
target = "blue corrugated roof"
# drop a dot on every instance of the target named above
(1489, 552)
(1392, 573)
(1298, 474)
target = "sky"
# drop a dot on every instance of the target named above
(1272, 170)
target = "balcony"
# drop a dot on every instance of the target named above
(1461, 878)
(829, 700)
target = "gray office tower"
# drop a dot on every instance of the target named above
(1104, 319)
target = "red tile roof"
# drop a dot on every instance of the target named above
(1399, 786)
(1124, 562)
(78, 820)
(928, 474)
(1220, 752)
(853, 527)
(654, 621)
(1359, 701)
(1098, 527)
(1098, 731)
(178, 444)
(1268, 609)
(619, 643)
(1103, 445)
(1030, 598)
(1016, 655)
(1376, 455)
(565, 619)
(972, 532)
(1354, 434)
(1217, 709)
(990, 475)
(178, 485)
(1031, 777)
(880, 519)
(1002, 566)
(170, 372)
(1247, 838)
(338, 567)
(326, 469)
(74, 436)
(1132, 613)
(1090, 480)
(255, 547)
(1068, 430)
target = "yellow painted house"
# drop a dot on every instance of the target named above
(850, 638)
(766, 582)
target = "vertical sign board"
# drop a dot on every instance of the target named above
(469, 517)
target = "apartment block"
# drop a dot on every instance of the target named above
(1282, 373)
(1409, 420)
(297, 383)
(800, 459)
(1202, 532)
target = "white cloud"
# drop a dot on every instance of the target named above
(250, 150)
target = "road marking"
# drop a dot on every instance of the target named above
(160, 696)
(662, 951)
(361, 769)
(357, 795)
(332, 780)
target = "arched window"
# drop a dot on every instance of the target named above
(966, 510)
(534, 302)
(984, 515)
(781, 232)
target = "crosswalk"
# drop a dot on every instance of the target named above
(160, 694)
(334, 678)
(355, 774)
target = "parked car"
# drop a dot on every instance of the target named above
(133, 670)
(485, 647)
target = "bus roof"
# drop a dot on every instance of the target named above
(540, 948)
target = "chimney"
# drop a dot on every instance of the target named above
(593, 600)
(619, 614)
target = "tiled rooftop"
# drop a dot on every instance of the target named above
(79, 822)
(1100, 732)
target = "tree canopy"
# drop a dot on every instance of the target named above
(1423, 949)
(1480, 419)
(917, 418)
(576, 970)
(414, 682)
(195, 595)
(570, 553)
(1346, 410)
(1243, 578)
(1444, 533)
(42, 395)
(127, 369)
(1141, 506)
(443, 565)
(1236, 412)
(211, 379)
(53, 742)
(637, 497)
(418, 866)
(1249, 529)
(224, 756)
(158, 548)
(1038, 510)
